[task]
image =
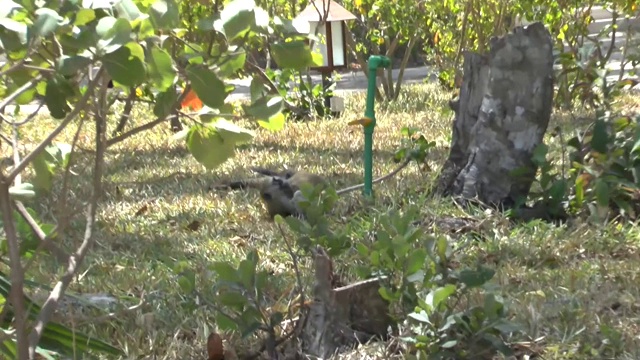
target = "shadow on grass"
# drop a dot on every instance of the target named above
(198, 182)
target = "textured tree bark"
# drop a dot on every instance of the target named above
(501, 116)
(340, 318)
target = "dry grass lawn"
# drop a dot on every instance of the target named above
(575, 287)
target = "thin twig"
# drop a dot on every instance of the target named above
(63, 218)
(26, 86)
(45, 241)
(296, 269)
(134, 131)
(126, 114)
(27, 119)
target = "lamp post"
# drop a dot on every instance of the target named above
(334, 48)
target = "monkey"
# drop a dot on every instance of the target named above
(277, 190)
(281, 192)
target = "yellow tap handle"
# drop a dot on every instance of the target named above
(362, 121)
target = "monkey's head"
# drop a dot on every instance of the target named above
(277, 188)
(277, 197)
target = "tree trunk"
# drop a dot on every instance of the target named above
(338, 319)
(500, 118)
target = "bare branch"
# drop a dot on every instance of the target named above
(17, 273)
(76, 259)
(16, 153)
(27, 119)
(126, 114)
(141, 128)
(150, 125)
(28, 85)
(70, 116)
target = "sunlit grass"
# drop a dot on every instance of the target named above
(574, 287)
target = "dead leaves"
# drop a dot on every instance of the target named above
(215, 349)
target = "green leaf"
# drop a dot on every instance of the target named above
(165, 14)
(231, 132)
(476, 278)
(127, 9)
(265, 107)
(603, 193)
(416, 260)
(387, 294)
(46, 163)
(208, 147)
(161, 70)
(237, 18)
(293, 55)
(225, 323)
(209, 88)
(231, 63)
(44, 172)
(539, 156)
(186, 284)
(274, 123)
(13, 34)
(600, 138)
(257, 89)
(421, 316)
(70, 65)
(436, 297)
(84, 16)
(247, 272)
(47, 22)
(507, 327)
(58, 90)
(449, 344)
(164, 103)
(113, 33)
(22, 192)
(19, 78)
(225, 271)
(126, 65)
(232, 299)
(416, 277)
(9, 348)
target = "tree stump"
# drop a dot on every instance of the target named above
(337, 319)
(501, 116)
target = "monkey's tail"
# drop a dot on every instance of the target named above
(241, 184)
(267, 172)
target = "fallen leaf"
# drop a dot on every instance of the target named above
(215, 350)
(142, 210)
